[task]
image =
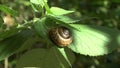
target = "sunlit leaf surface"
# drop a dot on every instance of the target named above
(41, 2)
(94, 40)
(62, 19)
(59, 11)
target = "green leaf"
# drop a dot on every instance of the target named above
(10, 45)
(94, 40)
(28, 44)
(44, 58)
(1, 22)
(38, 5)
(59, 11)
(39, 2)
(36, 8)
(8, 10)
(62, 19)
(7, 33)
(62, 51)
(115, 1)
(41, 28)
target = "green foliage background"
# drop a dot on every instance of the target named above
(94, 12)
(97, 12)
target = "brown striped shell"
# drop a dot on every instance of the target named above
(60, 36)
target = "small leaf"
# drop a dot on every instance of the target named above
(59, 11)
(38, 5)
(94, 40)
(40, 2)
(36, 8)
(62, 19)
(8, 10)
(44, 58)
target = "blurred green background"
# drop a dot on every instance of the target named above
(93, 12)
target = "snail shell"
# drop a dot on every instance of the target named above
(60, 36)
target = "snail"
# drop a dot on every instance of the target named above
(61, 36)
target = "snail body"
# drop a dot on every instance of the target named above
(60, 36)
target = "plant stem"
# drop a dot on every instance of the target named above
(6, 62)
(47, 7)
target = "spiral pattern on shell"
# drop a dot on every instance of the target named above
(60, 36)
